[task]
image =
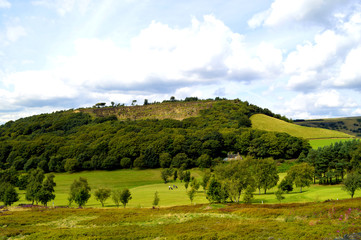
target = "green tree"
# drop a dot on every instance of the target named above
(80, 192)
(286, 185)
(351, 183)
(46, 193)
(126, 162)
(191, 194)
(8, 194)
(195, 184)
(156, 199)
(102, 194)
(216, 192)
(206, 177)
(116, 196)
(265, 174)
(279, 195)
(165, 174)
(35, 180)
(248, 195)
(165, 159)
(125, 196)
(301, 175)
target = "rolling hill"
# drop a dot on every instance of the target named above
(267, 123)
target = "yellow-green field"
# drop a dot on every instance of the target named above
(144, 183)
(264, 122)
(316, 143)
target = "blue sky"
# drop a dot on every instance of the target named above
(299, 58)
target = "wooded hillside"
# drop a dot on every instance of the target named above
(94, 138)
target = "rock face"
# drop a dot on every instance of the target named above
(353, 236)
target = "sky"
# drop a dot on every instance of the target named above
(299, 58)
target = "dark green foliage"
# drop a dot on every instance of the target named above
(125, 197)
(166, 173)
(279, 195)
(46, 193)
(126, 162)
(248, 195)
(301, 175)
(332, 162)
(265, 174)
(79, 192)
(216, 193)
(351, 183)
(286, 185)
(35, 181)
(156, 199)
(69, 141)
(8, 194)
(102, 194)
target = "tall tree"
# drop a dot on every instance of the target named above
(35, 180)
(80, 192)
(46, 193)
(301, 175)
(125, 197)
(265, 174)
(351, 183)
(102, 194)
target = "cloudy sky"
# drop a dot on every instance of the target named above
(299, 58)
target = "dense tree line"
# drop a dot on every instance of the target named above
(69, 141)
(332, 162)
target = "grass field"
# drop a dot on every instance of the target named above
(144, 183)
(316, 143)
(263, 122)
(326, 220)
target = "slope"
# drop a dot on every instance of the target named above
(263, 122)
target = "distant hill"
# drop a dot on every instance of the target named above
(267, 123)
(349, 125)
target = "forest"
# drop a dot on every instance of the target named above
(73, 140)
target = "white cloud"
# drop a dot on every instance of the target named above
(5, 4)
(325, 103)
(64, 7)
(329, 61)
(283, 12)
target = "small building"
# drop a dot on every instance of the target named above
(232, 156)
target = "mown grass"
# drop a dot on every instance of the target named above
(326, 220)
(144, 183)
(316, 143)
(263, 122)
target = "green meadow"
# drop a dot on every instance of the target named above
(266, 123)
(316, 143)
(144, 183)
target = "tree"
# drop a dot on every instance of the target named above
(195, 184)
(102, 194)
(351, 183)
(206, 178)
(279, 195)
(46, 193)
(301, 175)
(126, 162)
(175, 175)
(80, 191)
(145, 102)
(116, 196)
(191, 194)
(165, 159)
(35, 180)
(165, 174)
(286, 185)
(8, 194)
(265, 174)
(125, 196)
(156, 199)
(248, 195)
(216, 192)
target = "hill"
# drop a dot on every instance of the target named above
(267, 123)
(193, 133)
(349, 125)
